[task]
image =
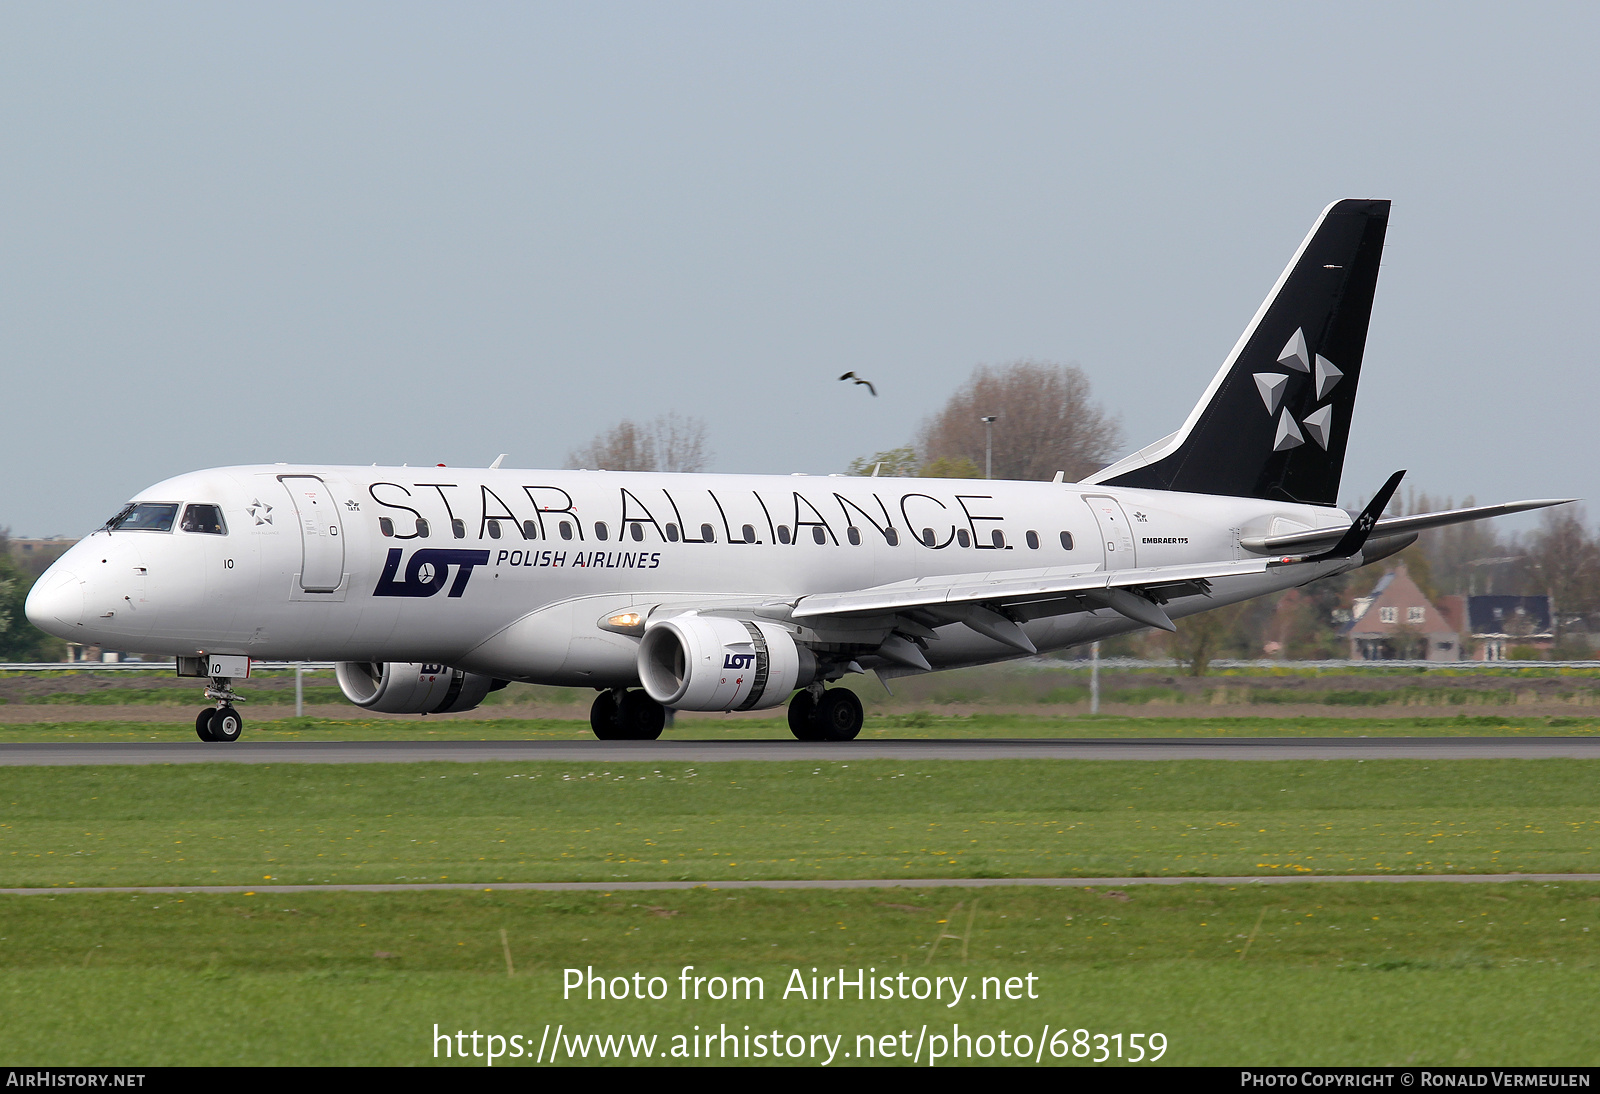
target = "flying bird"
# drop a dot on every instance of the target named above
(859, 380)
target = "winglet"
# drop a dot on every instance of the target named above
(1356, 536)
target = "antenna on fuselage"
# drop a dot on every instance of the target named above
(495, 466)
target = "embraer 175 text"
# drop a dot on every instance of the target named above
(434, 587)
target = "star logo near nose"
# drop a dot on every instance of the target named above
(260, 510)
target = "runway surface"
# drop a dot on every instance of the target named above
(868, 883)
(1143, 748)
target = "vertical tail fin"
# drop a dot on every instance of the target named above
(1274, 422)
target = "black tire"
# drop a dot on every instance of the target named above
(803, 717)
(643, 718)
(226, 725)
(605, 718)
(202, 723)
(839, 715)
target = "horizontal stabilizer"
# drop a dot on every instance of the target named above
(1324, 538)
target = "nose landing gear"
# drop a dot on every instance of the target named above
(619, 715)
(220, 723)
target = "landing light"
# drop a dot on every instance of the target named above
(624, 623)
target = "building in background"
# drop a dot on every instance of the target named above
(1396, 622)
(1500, 625)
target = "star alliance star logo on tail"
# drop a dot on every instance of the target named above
(1319, 423)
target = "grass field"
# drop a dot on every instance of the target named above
(913, 725)
(1335, 973)
(489, 822)
(1326, 974)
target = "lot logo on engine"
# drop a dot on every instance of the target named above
(428, 571)
(738, 660)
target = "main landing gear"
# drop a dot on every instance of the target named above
(619, 715)
(832, 715)
(220, 723)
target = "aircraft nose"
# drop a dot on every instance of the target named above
(55, 604)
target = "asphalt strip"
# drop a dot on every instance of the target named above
(859, 883)
(1131, 748)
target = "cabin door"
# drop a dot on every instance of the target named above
(321, 536)
(1116, 534)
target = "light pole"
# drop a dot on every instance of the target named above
(988, 445)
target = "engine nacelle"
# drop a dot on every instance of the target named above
(406, 687)
(707, 662)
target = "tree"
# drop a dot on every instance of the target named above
(1045, 422)
(19, 639)
(951, 467)
(895, 463)
(1211, 634)
(671, 442)
(903, 463)
(1564, 560)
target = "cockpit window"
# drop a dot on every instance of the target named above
(204, 518)
(145, 516)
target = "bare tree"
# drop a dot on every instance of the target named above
(1564, 560)
(1045, 423)
(672, 442)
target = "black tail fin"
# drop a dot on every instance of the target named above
(1274, 422)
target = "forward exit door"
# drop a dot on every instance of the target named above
(1116, 534)
(321, 537)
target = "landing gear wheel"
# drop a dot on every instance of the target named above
(202, 723)
(642, 717)
(605, 717)
(838, 716)
(802, 716)
(226, 725)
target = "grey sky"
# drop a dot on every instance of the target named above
(432, 233)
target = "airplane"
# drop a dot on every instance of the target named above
(432, 587)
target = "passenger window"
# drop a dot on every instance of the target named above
(783, 533)
(385, 526)
(601, 532)
(530, 530)
(749, 533)
(998, 538)
(708, 533)
(638, 532)
(819, 535)
(566, 529)
(1033, 540)
(422, 528)
(962, 537)
(1066, 541)
(672, 532)
(928, 537)
(892, 537)
(853, 534)
(458, 528)
(494, 529)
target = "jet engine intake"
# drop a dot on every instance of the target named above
(408, 687)
(705, 662)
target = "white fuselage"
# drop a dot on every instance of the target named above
(521, 567)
